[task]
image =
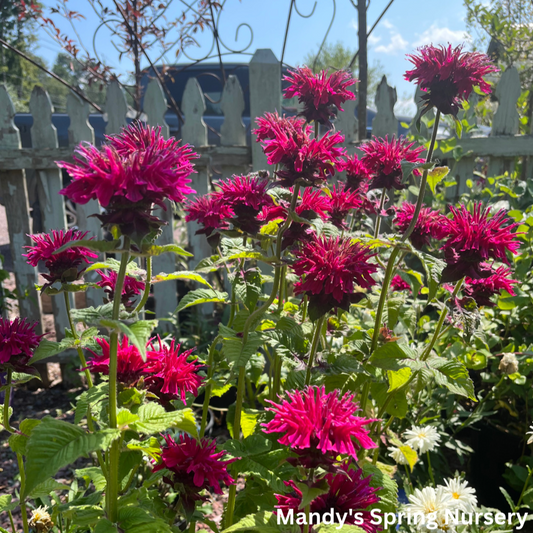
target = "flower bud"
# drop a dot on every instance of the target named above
(509, 363)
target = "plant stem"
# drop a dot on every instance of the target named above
(147, 286)
(430, 470)
(394, 254)
(209, 386)
(314, 347)
(524, 489)
(114, 453)
(23, 511)
(378, 216)
(307, 525)
(7, 397)
(11, 521)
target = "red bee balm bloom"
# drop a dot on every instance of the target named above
(330, 268)
(194, 466)
(64, 266)
(211, 213)
(448, 75)
(342, 202)
(135, 170)
(430, 224)
(245, 196)
(269, 125)
(319, 92)
(18, 341)
(130, 362)
(169, 374)
(313, 420)
(306, 161)
(481, 290)
(383, 158)
(349, 493)
(357, 175)
(130, 289)
(398, 284)
(474, 238)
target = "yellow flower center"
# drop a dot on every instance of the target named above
(456, 495)
(421, 435)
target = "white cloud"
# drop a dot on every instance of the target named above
(436, 34)
(393, 44)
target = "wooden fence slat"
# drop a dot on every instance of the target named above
(116, 108)
(232, 131)
(165, 293)
(385, 122)
(80, 130)
(265, 95)
(15, 200)
(49, 183)
(194, 132)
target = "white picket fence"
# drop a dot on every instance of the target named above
(233, 156)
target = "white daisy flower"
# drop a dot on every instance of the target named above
(530, 433)
(428, 506)
(397, 455)
(422, 439)
(463, 496)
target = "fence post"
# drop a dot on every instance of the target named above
(165, 293)
(385, 123)
(80, 130)
(49, 183)
(506, 119)
(15, 199)
(194, 132)
(116, 108)
(265, 95)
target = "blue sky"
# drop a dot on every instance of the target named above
(407, 25)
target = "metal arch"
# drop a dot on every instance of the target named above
(301, 14)
(241, 25)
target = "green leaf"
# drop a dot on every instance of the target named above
(388, 489)
(410, 455)
(398, 378)
(335, 528)
(54, 444)
(396, 405)
(408, 167)
(263, 522)
(132, 268)
(167, 248)
(311, 493)
(433, 267)
(454, 376)
(153, 419)
(201, 296)
(105, 526)
(5, 503)
(18, 442)
(43, 490)
(435, 176)
(89, 399)
(137, 333)
(249, 421)
(192, 276)
(387, 356)
(92, 474)
(91, 244)
(133, 519)
(125, 418)
(9, 411)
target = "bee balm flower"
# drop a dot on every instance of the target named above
(319, 93)
(330, 269)
(481, 290)
(448, 76)
(430, 224)
(18, 341)
(313, 420)
(130, 288)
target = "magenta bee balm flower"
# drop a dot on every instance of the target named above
(312, 420)
(475, 237)
(134, 171)
(482, 290)
(357, 174)
(169, 374)
(349, 494)
(269, 125)
(399, 284)
(130, 288)
(194, 465)
(319, 93)
(448, 76)
(342, 202)
(64, 266)
(18, 341)
(383, 159)
(430, 224)
(330, 269)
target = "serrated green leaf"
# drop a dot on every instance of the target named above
(435, 176)
(18, 442)
(263, 522)
(388, 355)
(433, 267)
(89, 399)
(153, 419)
(454, 376)
(132, 519)
(94, 475)
(6, 504)
(46, 487)
(396, 405)
(388, 489)
(311, 493)
(105, 526)
(54, 444)
(191, 276)
(201, 296)
(98, 246)
(408, 167)
(125, 418)
(167, 248)
(398, 378)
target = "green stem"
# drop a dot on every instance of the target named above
(394, 254)
(114, 453)
(209, 386)
(314, 347)
(23, 511)
(307, 525)
(408, 476)
(7, 397)
(277, 377)
(430, 470)
(83, 362)
(304, 308)
(146, 292)
(12, 522)
(524, 489)
(378, 216)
